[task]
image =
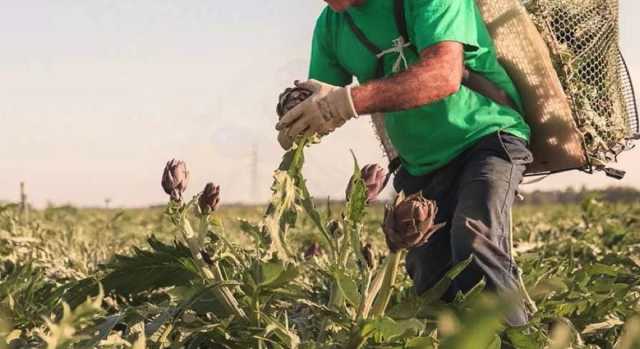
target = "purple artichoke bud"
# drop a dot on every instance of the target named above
(410, 222)
(375, 178)
(206, 257)
(334, 228)
(369, 257)
(290, 98)
(175, 179)
(209, 199)
(312, 251)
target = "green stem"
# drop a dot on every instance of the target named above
(374, 288)
(223, 293)
(357, 341)
(382, 301)
(343, 254)
(366, 284)
(335, 300)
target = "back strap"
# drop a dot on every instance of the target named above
(373, 48)
(361, 36)
(401, 21)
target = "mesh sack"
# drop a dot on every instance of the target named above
(583, 38)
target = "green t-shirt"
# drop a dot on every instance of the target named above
(430, 136)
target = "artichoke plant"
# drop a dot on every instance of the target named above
(410, 221)
(175, 179)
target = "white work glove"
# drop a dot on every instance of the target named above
(327, 109)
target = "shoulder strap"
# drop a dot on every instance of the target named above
(373, 48)
(361, 36)
(401, 21)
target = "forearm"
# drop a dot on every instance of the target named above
(436, 76)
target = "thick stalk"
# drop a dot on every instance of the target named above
(223, 293)
(374, 288)
(363, 309)
(335, 300)
(355, 231)
(357, 341)
(382, 301)
(343, 254)
(335, 296)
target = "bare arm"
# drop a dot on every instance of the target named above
(436, 76)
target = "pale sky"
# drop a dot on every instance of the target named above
(96, 95)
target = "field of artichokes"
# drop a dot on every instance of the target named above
(302, 274)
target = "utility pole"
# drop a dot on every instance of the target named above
(24, 206)
(254, 173)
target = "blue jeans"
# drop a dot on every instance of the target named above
(474, 194)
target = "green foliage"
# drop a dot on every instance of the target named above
(163, 265)
(69, 328)
(246, 283)
(26, 294)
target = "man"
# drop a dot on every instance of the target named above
(460, 148)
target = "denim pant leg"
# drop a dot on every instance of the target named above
(474, 194)
(481, 224)
(427, 264)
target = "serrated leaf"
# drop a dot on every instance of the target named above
(101, 331)
(275, 274)
(254, 231)
(269, 272)
(602, 326)
(420, 343)
(602, 269)
(473, 294)
(387, 330)
(348, 288)
(522, 338)
(147, 270)
(356, 203)
(437, 291)
(414, 305)
(281, 211)
(284, 334)
(159, 321)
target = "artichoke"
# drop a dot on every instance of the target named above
(312, 250)
(290, 98)
(334, 229)
(369, 256)
(175, 179)
(409, 222)
(209, 199)
(375, 178)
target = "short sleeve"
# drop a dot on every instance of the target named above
(435, 21)
(324, 65)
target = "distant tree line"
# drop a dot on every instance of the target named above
(571, 195)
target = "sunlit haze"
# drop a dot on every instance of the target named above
(96, 95)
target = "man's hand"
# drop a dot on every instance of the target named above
(327, 109)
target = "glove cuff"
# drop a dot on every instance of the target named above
(340, 105)
(352, 107)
